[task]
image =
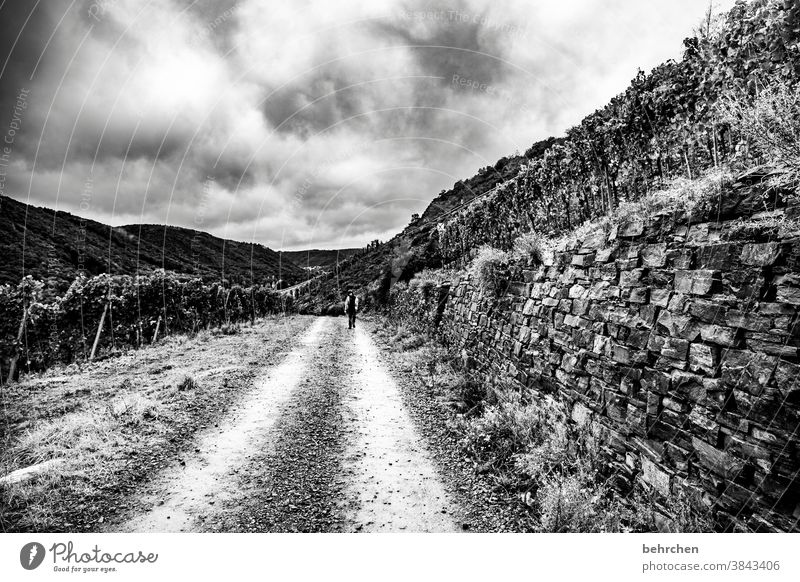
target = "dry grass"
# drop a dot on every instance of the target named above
(117, 421)
(485, 265)
(531, 248)
(770, 123)
(681, 195)
(767, 226)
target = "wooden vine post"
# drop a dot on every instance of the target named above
(99, 331)
(13, 366)
(158, 326)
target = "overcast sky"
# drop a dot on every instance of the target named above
(300, 124)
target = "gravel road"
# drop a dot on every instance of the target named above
(321, 441)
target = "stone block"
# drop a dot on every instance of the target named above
(708, 311)
(680, 258)
(630, 228)
(760, 255)
(656, 477)
(654, 255)
(695, 282)
(772, 344)
(673, 348)
(631, 278)
(703, 358)
(716, 460)
(748, 320)
(653, 403)
(530, 304)
(743, 283)
(704, 427)
(655, 381)
(577, 292)
(687, 386)
(678, 325)
(638, 295)
(660, 297)
(604, 256)
(580, 306)
(787, 377)
(583, 260)
(717, 257)
(717, 334)
(581, 413)
(627, 356)
(790, 295)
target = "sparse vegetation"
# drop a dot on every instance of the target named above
(112, 424)
(770, 123)
(427, 279)
(485, 266)
(559, 468)
(691, 196)
(527, 445)
(766, 226)
(531, 248)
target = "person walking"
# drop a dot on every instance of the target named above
(350, 308)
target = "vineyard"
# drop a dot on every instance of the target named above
(113, 312)
(667, 123)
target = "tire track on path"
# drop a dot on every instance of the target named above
(187, 491)
(392, 481)
(294, 483)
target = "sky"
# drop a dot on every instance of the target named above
(304, 123)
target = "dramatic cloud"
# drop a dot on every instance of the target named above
(300, 124)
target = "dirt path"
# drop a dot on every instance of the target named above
(391, 476)
(321, 442)
(186, 490)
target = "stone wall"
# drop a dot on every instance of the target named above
(677, 340)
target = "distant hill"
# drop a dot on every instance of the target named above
(56, 245)
(318, 258)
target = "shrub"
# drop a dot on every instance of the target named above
(430, 278)
(505, 428)
(532, 248)
(674, 514)
(133, 409)
(469, 394)
(412, 343)
(575, 503)
(188, 383)
(771, 123)
(485, 265)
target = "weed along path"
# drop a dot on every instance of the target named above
(321, 440)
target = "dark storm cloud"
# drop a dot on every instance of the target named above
(319, 123)
(24, 29)
(452, 39)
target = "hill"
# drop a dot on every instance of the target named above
(666, 124)
(318, 258)
(54, 246)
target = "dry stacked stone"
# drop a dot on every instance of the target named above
(678, 342)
